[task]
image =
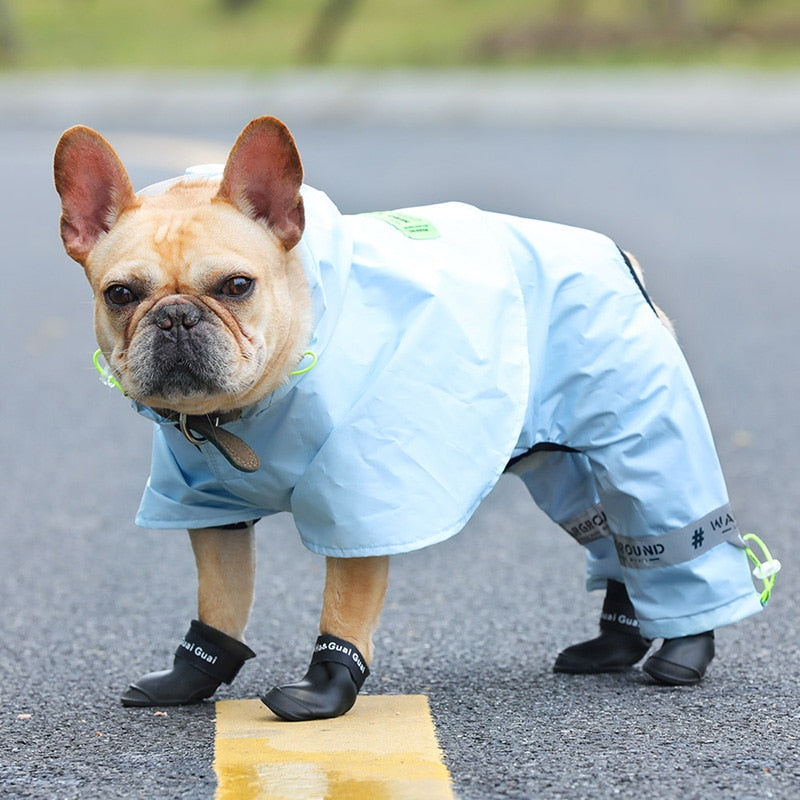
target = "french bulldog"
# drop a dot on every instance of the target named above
(374, 375)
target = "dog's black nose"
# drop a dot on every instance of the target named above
(186, 315)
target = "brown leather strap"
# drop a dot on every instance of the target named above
(237, 451)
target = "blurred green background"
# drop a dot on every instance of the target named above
(269, 34)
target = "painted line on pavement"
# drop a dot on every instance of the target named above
(383, 749)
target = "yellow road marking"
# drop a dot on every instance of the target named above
(383, 749)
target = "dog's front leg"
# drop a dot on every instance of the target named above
(351, 605)
(226, 570)
(353, 599)
(213, 650)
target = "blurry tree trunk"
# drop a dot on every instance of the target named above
(677, 16)
(236, 5)
(327, 27)
(9, 43)
(571, 9)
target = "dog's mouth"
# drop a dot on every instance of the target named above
(180, 354)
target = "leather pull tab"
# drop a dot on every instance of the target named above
(236, 451)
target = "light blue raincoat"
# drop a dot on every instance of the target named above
(450, 342)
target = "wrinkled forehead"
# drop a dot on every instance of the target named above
(185, 231)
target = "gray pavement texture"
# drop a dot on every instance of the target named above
(695, 172)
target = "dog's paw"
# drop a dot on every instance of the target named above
(205, 658)
(326, 690)
(178, 686)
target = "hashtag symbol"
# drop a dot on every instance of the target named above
(697, 538)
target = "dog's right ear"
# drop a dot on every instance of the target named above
(94, 189)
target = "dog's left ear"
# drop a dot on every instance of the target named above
(263, 177)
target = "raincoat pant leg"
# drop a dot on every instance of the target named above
(659, 480)
(562, 484)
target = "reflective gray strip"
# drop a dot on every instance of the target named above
(682, 545)
(590, 525)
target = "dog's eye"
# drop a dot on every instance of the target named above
(119, 295)
(238, 286)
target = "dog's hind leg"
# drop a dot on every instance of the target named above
(352, 603)
(213, 650)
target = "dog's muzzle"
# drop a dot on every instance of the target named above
(181, 351)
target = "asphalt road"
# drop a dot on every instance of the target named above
(696, 174)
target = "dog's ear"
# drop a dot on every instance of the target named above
(263, 177)
(94, 189)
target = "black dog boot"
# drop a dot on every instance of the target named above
(619, 645)
(328, 689)
(682, 661)
(204, 659)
